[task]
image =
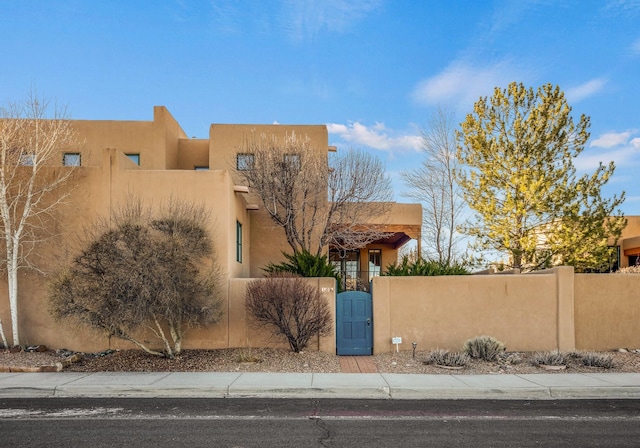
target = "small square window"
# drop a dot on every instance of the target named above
(27, 159)
(71, 159)
(292, 161)
(135, 158)
(244, 162)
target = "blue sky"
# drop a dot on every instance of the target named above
(372, 70)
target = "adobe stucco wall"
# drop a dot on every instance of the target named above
(235, 328)
(443, 312)
(607, 309)
(528, 312)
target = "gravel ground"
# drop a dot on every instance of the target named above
(275, 360)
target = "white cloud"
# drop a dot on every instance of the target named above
(585, 90)
(462, 84)
(376, 136)
(632, 199)
(589, 160)
(303, 19)
(615, 146)
(611, 139)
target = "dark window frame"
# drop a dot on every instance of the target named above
(67, 155)
(134, 157)
(377, 268)
(245, 161)
(238, 241)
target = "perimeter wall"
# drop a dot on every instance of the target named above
(553, 309)
(546, 310)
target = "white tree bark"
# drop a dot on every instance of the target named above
(31, 145)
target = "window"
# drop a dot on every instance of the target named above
(238, 242)
(375, 263)
(347, 264)
(244, 162)
(135, 158)
(201, 168)
(27, 159)
(71, 159)
(292, 160)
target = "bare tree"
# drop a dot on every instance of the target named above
(317, 200)
(291, 307)
(434, 185)
(31, 141)
(143, 271)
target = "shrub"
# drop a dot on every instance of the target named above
(290, 307)
(247, 355)
(483, 347)
(143, 271)
(511, 359)
(422, 267)
(304, 264)
(446, 358)
(591, 359)
(553, 358)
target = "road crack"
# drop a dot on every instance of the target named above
(326, 439)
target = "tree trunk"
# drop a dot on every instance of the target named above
(167, 346)
(12, 281)
(4, 337)
(176, 335)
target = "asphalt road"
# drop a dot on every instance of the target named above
(325, 423)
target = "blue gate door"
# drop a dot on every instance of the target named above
(354, 323)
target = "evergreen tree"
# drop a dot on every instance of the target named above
(518, 147)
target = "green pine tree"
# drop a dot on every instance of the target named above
(518, 147)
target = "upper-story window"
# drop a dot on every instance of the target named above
(244, 162)
(134, 157)
(201, 168)
(292, 161)
(27, 159)
(71, 159)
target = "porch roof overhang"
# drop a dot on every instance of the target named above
(398, 235)
(631, 246)
(632, 251)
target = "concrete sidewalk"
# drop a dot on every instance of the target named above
(321, 385)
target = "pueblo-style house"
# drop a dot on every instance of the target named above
(156, 160)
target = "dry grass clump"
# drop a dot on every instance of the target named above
(592, 359)
(553, 358)
(446, 358)
(247, 355)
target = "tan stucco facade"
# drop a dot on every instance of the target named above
(629, 242)
(170, 165)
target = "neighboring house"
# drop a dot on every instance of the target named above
(156, 160)
(628, 247)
